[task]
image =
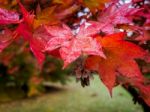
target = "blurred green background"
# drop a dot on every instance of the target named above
(74, 98)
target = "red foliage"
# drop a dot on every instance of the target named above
(54, 28)
(8, 17)
(116, 50)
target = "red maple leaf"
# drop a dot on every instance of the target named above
(8, 17)
(120, 59)
(72, 46)
(36, 44)
(113, 15)
(59, 36)
(28, 17)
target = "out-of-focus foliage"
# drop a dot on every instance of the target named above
(109, 37)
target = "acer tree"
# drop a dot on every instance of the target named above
(109, 37)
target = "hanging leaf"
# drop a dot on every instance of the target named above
(120, 58)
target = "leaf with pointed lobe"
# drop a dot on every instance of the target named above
(51, 15)
(78, 46)
(120, 58)
(89, 28)
(72, 46)
(59, 34)
(28, 17)
(113, 15)
(24, 30)
(36, 45)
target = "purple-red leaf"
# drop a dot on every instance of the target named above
(72, 46)
(114, 15)
(8, 17)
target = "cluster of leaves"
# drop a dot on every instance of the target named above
(109, 37)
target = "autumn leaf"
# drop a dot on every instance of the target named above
(93, 5)
(120, 59)
(45, 17)
(46, 37)
(50, 15)
(28, 17)
(24, 30)
(8, 17)
(89, 28)
(83, 43)
(113, 15)
(59, 34)
(6, 38)
(72, 46)
(36, 45)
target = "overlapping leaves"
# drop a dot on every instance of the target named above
(111, 55)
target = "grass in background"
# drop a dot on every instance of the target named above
(74, 98)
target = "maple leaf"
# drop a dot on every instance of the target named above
(24, 30)
(120, 56)
(47, 35)
(113, 15)
(71, 46)
(36, 47)
(45, 17)
(93, 5)
(52, 15)
(8, 17)
(6, 38)
(36, 44)
(28, 17)
(89, 28)
(58, 34)
(74, 48)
